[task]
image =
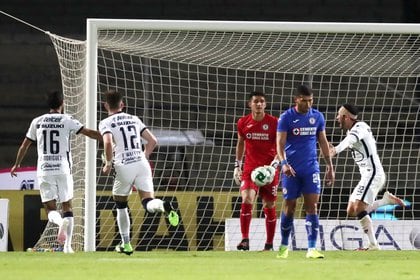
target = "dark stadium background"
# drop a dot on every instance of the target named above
(29, 65)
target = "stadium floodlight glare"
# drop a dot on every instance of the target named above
(189, 81)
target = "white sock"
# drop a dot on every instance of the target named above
(367, 227)
(155, 205)
(375, 205)
(69, 232)
(55, 217)
(123, 221)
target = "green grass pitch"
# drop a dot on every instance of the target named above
(395, 265)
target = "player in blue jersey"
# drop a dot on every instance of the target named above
(298, 131)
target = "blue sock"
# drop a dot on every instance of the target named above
(312, 227)
(286, 225)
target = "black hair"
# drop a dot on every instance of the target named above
(351, 108)
(54, 99)
(113, 98)
(303, 90)
(256, 93)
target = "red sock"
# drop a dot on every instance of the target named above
(245, 219)
(270, 223)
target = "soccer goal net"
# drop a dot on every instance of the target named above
(189, 82)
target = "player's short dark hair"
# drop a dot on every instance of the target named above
(256, 93)
(351, 108)
(303, 90)
(54, 99)
(113, 98)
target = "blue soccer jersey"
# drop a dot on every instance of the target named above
(302, 134)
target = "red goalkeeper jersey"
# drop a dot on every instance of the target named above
(260, 140)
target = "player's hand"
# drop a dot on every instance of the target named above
(107, 169)
(237, 175)
(331, 149)
(329, 177)
(13, 172)
(275, 163)
(288, 170)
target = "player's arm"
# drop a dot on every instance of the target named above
(239, 154)
(20, 155)
(94, 134)
(325, 150)
(107, 139)
(151, 142)
(285, 167)
(350, 139)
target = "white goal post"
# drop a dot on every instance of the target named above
(189, 80)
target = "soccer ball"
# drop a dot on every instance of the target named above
(263, 175)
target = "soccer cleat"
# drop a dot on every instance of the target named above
(244, 245)
(268, 247)
(283, 252)
(61, 236)
(392, 199)
(372, 247)
(68, 250)
(173, 216)
(125, 248)
(314, 254)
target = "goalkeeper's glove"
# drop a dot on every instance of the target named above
(237, 172)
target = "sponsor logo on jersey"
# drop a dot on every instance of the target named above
(51, 125)
(304, 131)
(50, 167)
(257, 136)
(52, 119)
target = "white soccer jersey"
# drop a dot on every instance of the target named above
(363, 148)
(52, 133)
(126, 131)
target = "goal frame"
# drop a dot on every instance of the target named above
(94, 25)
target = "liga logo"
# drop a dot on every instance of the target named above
(1, 231)
(415, 238)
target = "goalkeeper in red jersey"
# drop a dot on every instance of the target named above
(256, 147)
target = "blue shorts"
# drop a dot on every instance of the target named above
(294, 187)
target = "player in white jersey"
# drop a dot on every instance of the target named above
(52, 132)
(122, 135)
(362, 144)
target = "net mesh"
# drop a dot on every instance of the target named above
(190, 88)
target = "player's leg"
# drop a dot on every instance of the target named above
(312, 224)
(48, 192)
(121, 190)
(248, 195)
(124, 224)
(53, 215)
(311, 190)
(156, 205)
(365, 222)
(361, 197)
(269, 198)
(387, 199)
(144, 185)
(65, 183)
(286, 226)
(66, 228)
(291, 191)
